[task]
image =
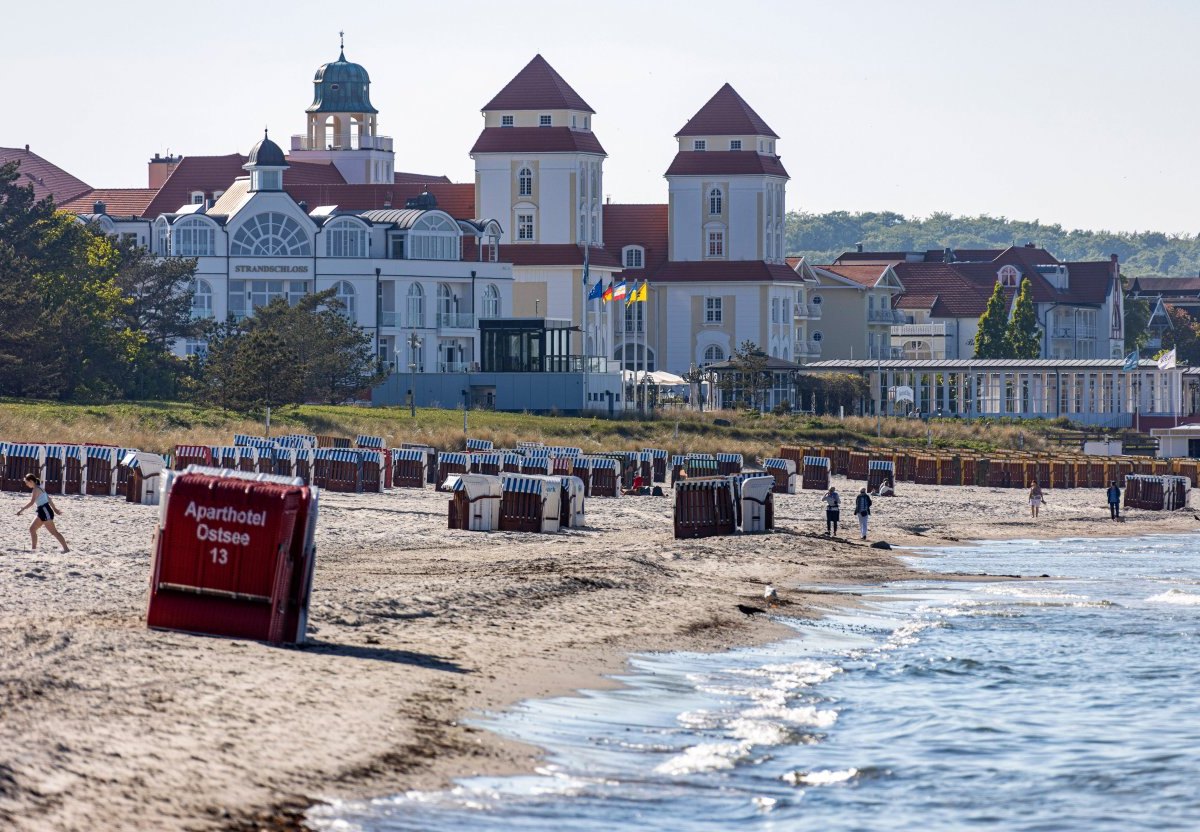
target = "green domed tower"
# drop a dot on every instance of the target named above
(342, 126)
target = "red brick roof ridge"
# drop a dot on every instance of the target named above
(47, 178)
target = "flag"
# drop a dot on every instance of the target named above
(619, 290)
(638, 295)
(1167, 361)
(607, 294)
(597, 291)
(1131, 363)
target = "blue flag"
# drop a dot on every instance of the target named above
(597, 291)
(1131, 363)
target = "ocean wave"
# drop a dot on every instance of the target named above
(819, 778)
(709, 756)
(1177, 597)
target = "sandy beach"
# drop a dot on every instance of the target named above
(107, 725)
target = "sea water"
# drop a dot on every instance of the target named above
(1070, 703)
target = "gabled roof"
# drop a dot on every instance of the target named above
(726, 114)
(195, 173)
(47, 179)
(1173, 286)
(864, 274)
(638, 225)
(118, 202)
(538, 87)
(536, 140)
(724, 163)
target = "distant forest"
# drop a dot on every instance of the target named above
(822, 237)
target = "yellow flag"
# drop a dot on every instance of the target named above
(637, 295)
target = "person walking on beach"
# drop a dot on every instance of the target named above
(45, 512)
(1114, 500)
(1035, 499)
(833, 510)
(862, 509)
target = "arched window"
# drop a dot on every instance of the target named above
(716, 202)
(345, 238)
(1008, 276)
(348, 298)
(636, 357)
(416, 306)
(202, 299)
(445, 305)
(491, 301)
(525, 182)
(193, 238)
(161, 229)
(713, 354)
(435, 237)
(268, 234)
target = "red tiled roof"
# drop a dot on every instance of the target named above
(945, 289)
(118, 202)
(47, 179)
(1168, 285)
(537, 87)
(726, 114)
(638, 225)
(536, 140)
(564, 254)
(864, 274)
(313, 173)
(195, 173)
(740, 271)
(457, 200)
(724, 163)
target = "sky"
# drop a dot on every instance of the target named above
(1078, 113)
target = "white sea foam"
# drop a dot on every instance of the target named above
(699, 719)
(819, 778)
(709, 756)
(759, 731)
(805, 715)
(1177, 597)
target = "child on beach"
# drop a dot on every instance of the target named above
(1035, 499)
(862, 509)
(833, 505)
(45, 509)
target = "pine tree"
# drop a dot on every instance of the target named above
(1022, 339)
(989, 338)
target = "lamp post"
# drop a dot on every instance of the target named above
(466, 410)
(414, 344)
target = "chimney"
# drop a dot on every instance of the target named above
(160, 169)
(1114, 267)
(99, 207)
(858, 247)
(1031, 245)
(947, 255)
(26, 148)
(303, 206)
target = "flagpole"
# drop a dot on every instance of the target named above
(584, 334)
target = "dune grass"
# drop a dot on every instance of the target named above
(159, 426)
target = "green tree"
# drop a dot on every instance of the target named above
(1137, 316)
(748, 378)
(1022, 338)
(1183, 337)
(993, 323)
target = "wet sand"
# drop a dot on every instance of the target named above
(107, 725)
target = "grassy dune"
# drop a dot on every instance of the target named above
(159, 426)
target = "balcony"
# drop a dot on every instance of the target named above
(880, 316)
(387, 318)
(808, 311)
(1082, 333)
(344, 143)
(811, 349)
(454, 367)
(456, 320)
(920, 331)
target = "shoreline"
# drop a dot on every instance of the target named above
(417, 627)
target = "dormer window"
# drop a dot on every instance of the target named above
(735, 144)
(506, 121)
(196, 198)
(587, 122)
(544, 121)
(634, 257)
(699, 144)
(1008, 277)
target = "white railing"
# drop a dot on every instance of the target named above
(813, 348)
(810, 311)
(880, 316)
(919, 330)
(388, 318)
(343, 143)
(456, 320)
(454, 367)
